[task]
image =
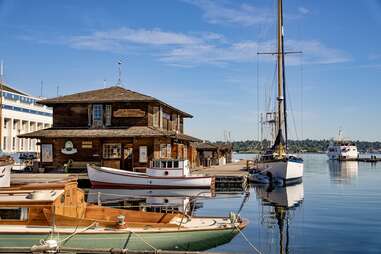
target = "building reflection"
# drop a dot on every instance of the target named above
(281, 201)
(342, 171)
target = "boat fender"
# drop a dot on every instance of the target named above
(121, 220)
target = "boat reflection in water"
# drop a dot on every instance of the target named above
(281, 201)
(342, 171)
(156, 200)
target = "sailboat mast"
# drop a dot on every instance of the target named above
(280, 68)
(282, 115)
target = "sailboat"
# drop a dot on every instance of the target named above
(276, 163)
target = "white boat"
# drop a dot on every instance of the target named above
(163, 174)
(341, 149)
(276, 162)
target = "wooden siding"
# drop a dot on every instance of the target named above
(70, 115)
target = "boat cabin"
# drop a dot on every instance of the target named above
(63, 204)
(169, 168)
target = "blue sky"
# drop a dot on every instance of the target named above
(201, 56)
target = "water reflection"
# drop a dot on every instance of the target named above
(342, 171)
(160, 200)
(281, 202)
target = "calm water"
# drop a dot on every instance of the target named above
(336, 209)
(338, 212)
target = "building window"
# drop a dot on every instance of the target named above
(166, 121)
(6, 123)
(111, 151)
(174, 122)
(155, 120)
(165, 150)
(97, 115)
(108, 115)
(5, 143)
(13, 143)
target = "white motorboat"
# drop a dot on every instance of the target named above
(163, 174)
(341, 149)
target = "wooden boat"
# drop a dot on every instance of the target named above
(6, 163)
(56, 214)
(163, 174)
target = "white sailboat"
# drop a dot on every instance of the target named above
(276, 163)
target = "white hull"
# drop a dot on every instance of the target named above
(285, 170)
(342, 152)
(109, 177)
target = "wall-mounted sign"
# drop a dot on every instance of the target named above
(87, 144)
(143, 154)
(69, 148)
(129, 112)
(47, 152)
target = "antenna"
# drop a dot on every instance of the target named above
(119, 83)
(58, 89)
(104, 83)
(42, 87)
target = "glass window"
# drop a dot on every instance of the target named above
(11, 213)
(155, 120)
(176, 164)
(112, 151)
(108, 115)
(97, 115)
(169, 164)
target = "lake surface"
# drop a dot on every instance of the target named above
(337, 209)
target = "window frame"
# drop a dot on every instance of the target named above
(107, 153)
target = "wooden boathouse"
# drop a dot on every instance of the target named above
(113, 127)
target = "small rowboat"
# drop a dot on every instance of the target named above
(163, 174)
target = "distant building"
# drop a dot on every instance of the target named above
(19, 114)
(113, 127)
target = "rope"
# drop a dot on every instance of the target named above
(75, 232)
(247, 240)
(150, 245)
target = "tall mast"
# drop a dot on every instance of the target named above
(282, 118)
(280, 68)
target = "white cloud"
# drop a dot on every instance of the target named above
(303, 10)
(217, 12)
(185, 50)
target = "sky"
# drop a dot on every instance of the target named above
(201, 57)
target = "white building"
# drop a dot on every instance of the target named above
(19, 113)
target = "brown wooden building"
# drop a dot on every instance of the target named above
(113, 127)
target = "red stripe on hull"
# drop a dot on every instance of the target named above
(141, 186)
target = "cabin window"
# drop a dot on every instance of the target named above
(97, 115)
(155, 120)
(108, 113)
(169, 164)
(112, 151)
(165, 150)
(163, 164)
(176, 164)
(185, 151)
(13, 213)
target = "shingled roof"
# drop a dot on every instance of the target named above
(136, 131)
(109, 94)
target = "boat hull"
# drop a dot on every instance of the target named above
(5, 176)
(175, 240)
(102, 177)
(286, 170)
